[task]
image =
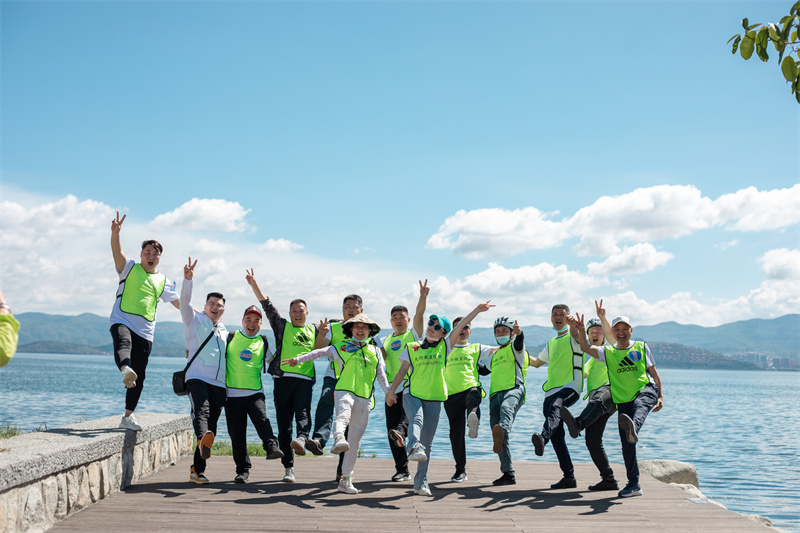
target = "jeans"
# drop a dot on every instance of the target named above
(423, 418)
(503, 407)
(553, 428)
(638, 410)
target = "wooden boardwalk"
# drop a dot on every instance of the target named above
(167, 502)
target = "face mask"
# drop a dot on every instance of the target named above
(503, 340)
(562, 330)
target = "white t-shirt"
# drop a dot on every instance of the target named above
(139, 324)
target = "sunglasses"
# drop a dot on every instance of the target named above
(436, 327)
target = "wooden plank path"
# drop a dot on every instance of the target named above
(167, 502)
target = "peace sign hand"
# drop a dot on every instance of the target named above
(188, 269)
(323, 326)
(599, 308)
(423, 288)
(116, 225)
(485, 307)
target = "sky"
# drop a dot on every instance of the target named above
(528, 153)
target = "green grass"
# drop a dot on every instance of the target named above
(12, 431)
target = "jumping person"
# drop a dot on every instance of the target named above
(133, 317)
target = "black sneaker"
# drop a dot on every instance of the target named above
(538, 444)
(505, 479)
(565, 483)
(458, 477)
(627, 425)
(314, 446)
(401, 476)
(606, 484)
(242, 478)
(273, 451)
(570, 422)
(397, 438)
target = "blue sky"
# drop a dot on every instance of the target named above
(532, 153)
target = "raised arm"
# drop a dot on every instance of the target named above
(120, 260)
(419, 315)
(577, 322)
(481, 308)
(187, 312)
(251, 280)
(601, 314)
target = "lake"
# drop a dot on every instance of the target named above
(738, 428)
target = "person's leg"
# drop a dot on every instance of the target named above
(121, 339)
(553, 428)
(201, 412)
(508, 404)
(454, 407)
(257, 411)
(140, 355)
(344, 411)
(594, 443)
(394, 417)
(323, 416)
(430, 413)
(236, 410)
(637, 410)
(359, 417)
(413, 409)
(599, 404)
(302, 407)
(284, 412)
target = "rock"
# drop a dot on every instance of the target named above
(670, 471)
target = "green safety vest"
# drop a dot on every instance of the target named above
(426, 380)
(337, 337)
(596, 375)
(141, 292)
(563, 363)
(394, 345)
(244, 361)
(297, 342)
(506, 372)
(627, 371)
(461, 371)
(360, 368)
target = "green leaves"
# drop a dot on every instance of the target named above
(789, 69)
(748, 45)
(762, 40)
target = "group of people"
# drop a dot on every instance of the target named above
(421, 366)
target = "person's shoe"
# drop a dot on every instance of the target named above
(128, 377)
(288, 476)
(241, 478)
(570, 422)
(205, 444)
(340, 445)
(630, 490)
(401, 476)
(299, 446)
(565, 483)
(627, 425)
(194, 477)
(458, 477)
(397, 438)
(538, 444)
(346, 485)
(417, 453)
(472, 423)
(497, 438)
(129, 422)
(605, 484)
(424, 490)
(505, 479)
(314, 446)
(273, 451)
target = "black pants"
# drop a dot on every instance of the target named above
(638, 410)
(323, 416)
(131, 350)
(207, 402)
(396, 419)
(593, 419)
(553, 429)
(237, 410)
(292, 400)
(457, 407)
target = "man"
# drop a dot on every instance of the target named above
(133, 317)
(292, 385)
(246, 356)
(205, 377)
(564, 360)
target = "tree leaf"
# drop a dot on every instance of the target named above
(789, 68)
(762, 40)
(736, 44)
(745, 23)
(773, 33)
(748, 45)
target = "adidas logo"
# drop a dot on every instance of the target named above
(302, 337)
(626, 365)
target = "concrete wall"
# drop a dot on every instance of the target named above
(46, 476)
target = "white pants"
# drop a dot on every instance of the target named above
(354, 412)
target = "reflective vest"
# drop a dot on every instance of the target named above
(627, 371)
(506, 371)
(141, 292)
(360, 368)
(394, 345)
(461, 371)
(244, 361)
(563, 363)
(337, 337)
(426, 380)
(297, 342)
(596, 375)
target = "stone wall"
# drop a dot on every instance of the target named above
(47, 476)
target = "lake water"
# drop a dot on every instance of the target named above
(738, 428)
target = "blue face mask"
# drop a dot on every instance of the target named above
(503, 340)
(562, 330)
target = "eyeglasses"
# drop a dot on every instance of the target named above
(436, 327)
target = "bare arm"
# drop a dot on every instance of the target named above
(657, 378)
(419, 315)
(120, 260)
(251, 280)
(577, 322)
(391, 397)
(601, 314)
(453, 337)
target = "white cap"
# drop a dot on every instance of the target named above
(619, 319)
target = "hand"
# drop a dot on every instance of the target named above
(516, 330)
(599, 308)
(116, 225)
(250, 277)
(188, 269)
(575, 321)
(424, 289)
(659, 404)
(485, 307)
(293, 361)
(323, 326)
(391, 398)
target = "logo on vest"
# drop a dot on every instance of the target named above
(396, 345)
(350, 348)
(626, 365)
(246, 355)
(415, 347)
(635, 356)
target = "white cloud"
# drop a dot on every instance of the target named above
(781, 264)
(725, 245)
(203, 215)
(635, 259)
(280, 246)
(753, 210)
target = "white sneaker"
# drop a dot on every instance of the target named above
(346, 485)
(128, 377)
(339, 445)
(288, 477)
(417, 453)
(129, 422)
(299, 446)
(472, 423)
(424, 490)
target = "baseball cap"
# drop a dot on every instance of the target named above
(253, 309)
(619, 319)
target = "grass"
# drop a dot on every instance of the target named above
(12, 431)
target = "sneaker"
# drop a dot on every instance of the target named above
(288, 476)
(241, 478)
(401, 476)
(346, 485)
(498, 437)
(273, 451)
(505, 479)
(605, 484)
(424, 490)
(417, 453)
(128, 377)
(627, 425)
(630, 490)
(340, 445)
(205, 444)
(314, 446)
(570, 422)
(565, 483)
(129, 422)
(196, 477)
(472, 423)
(397, 438)
(458, 477)
(538, 444)
(299, 446)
